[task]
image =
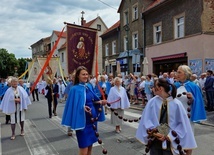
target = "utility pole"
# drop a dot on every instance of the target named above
(126, 27)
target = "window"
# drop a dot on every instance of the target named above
(125, 43)
(106, 49)
(98, 27)
(135, 40)
(157, 33)
(113, 47)
(135, 12)
(126, 17)
(62, 58)
(179, 26)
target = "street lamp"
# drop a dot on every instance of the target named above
(126, 27)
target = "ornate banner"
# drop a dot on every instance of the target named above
(80, 47)
(51, 68)
(34, 70)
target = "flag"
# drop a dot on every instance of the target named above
(80, 47)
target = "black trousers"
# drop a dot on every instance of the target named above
(35, 91)
(49, 106)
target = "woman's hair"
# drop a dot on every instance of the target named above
(187, 71)
(117, 79)
(168, 87)
(149, 76)
(14, 79)
(79, 69)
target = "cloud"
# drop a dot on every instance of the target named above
(24, 22)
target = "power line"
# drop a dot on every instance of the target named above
(107, 4)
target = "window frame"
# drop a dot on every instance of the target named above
(107, 49)
(126, 17)
(125, 42)
(155, 32)
(135, 40)
(99, 27)
(179, 26)
(135, 12)
(114, 46)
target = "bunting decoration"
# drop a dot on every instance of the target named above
(61, 72)
(80, 47)
(29, 67)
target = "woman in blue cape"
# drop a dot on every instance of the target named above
(197, 112)
(190, 95)
(82, 111)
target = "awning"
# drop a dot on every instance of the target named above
(131, 53)
(174, 56)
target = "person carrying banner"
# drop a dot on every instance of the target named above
(51, 95)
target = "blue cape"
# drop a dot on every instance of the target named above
(198, 112)
(108, 87)
(74, 112)
(68, 87)
(3, 90)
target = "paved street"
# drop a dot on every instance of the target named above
(44, 136)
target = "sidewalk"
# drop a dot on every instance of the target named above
(209, 121)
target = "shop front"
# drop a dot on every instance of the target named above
(168, 63)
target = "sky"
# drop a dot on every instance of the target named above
(24, 22)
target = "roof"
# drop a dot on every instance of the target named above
(64, 34)
(153, 5)
(118, 11)
(116, 25)
(88, 24)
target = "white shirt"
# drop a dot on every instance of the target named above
(142, 84)
(201, 82)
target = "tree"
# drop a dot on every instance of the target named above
(8, 63)
(23, 65)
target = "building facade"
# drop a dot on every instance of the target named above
(179, 32)
(131, 36)
(111, 48)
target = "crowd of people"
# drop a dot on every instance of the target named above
(177, 100)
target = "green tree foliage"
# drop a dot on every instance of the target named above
(23, 65)
(8, 62)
